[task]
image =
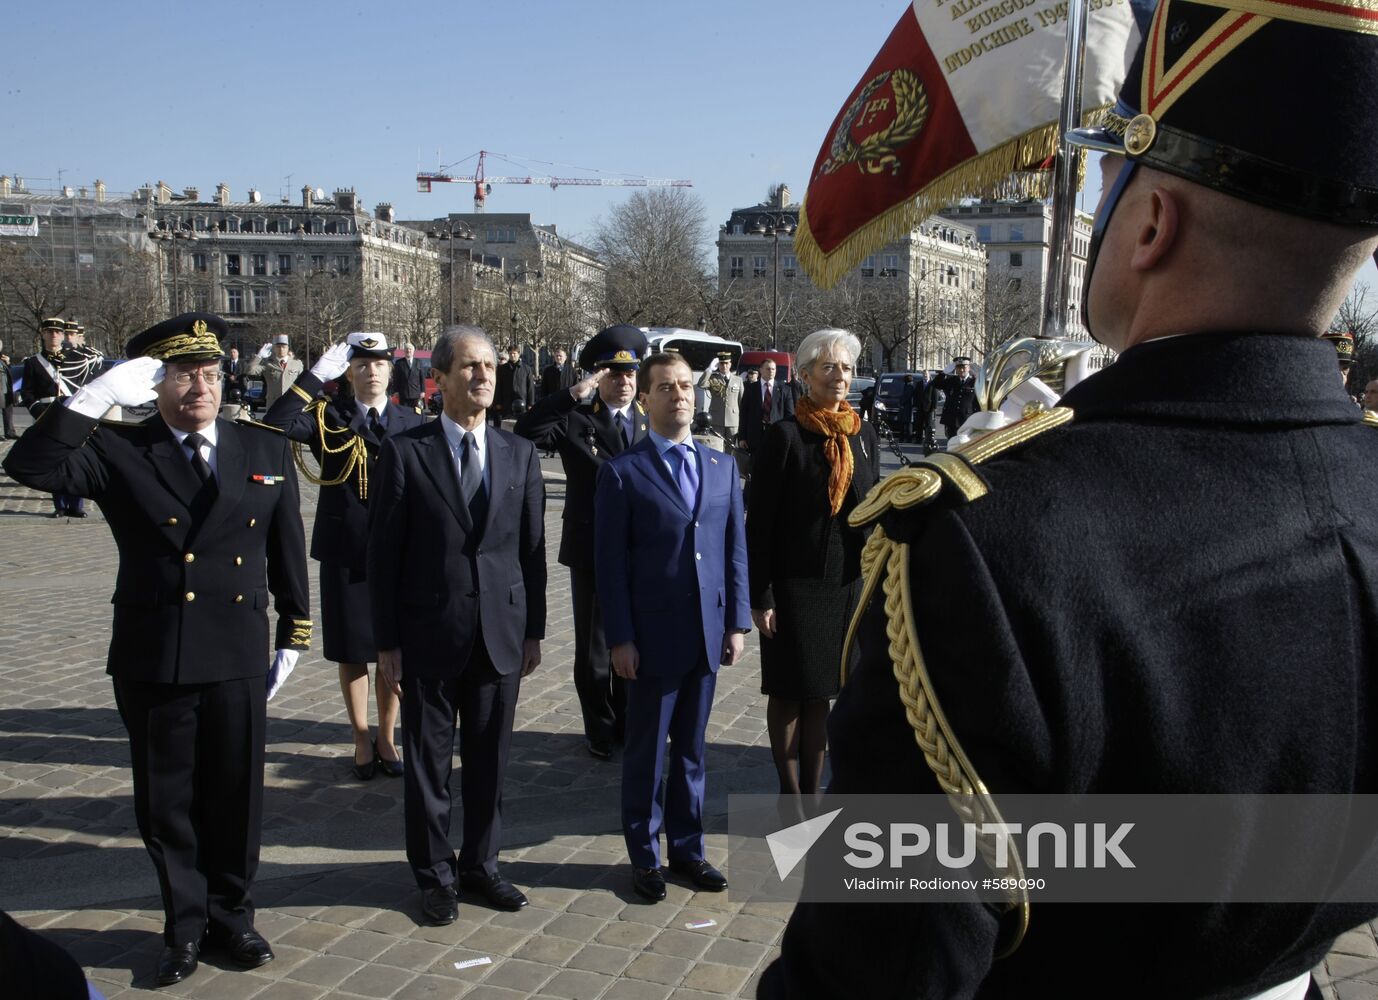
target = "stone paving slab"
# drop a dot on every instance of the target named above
(334, 893)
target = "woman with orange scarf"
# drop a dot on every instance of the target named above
(804, 561)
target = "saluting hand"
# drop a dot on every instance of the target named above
(581, 390)
(265, 350)
(332, 364)
(390, 670)
(625, 660)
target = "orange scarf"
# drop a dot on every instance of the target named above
(836, 426)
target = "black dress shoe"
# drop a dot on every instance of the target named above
(600, 749)
(649, 883)
(701, 873)
(392, 768)
(439, 905)
(76, 513)
(247, 949)
(500, 893)
(176, 963)
(58, 513)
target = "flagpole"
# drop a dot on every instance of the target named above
(1065, 178)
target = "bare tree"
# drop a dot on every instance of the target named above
(126, 298)
(31, 290)
(653, 246)
(1361, 319)
(317, 309)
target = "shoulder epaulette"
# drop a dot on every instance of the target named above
(1371, 418)
(954, 470)
(885, 569)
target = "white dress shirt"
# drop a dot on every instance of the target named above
(209, 449)
(454, 437)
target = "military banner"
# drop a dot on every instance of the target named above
(963, 96)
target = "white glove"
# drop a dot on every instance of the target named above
(713, 365)
(265, 350)
(283, 664)
(129, 383)
(332, 363)
(980, 423)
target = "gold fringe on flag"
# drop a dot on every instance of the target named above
(1006, 171)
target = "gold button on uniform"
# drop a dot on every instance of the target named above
(171, 522)
(189, 557)
(253, 521)
(239, 560)
(239, 598)
(190, 596)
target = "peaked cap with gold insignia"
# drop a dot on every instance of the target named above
(191, 336)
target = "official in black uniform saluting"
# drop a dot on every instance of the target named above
(205, 515)
(1166, 583)
(345, 435)
(587, 434)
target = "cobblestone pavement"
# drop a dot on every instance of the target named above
(334, 893)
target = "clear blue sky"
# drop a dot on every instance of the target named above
(731, 94)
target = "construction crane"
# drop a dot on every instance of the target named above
(483, 184)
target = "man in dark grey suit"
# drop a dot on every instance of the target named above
(456, 571)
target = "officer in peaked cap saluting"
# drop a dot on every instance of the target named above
(1127, 592)
(345, 436)
(587, 432)
(205, 515)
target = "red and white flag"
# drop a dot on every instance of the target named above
(963, 95)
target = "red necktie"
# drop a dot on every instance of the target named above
(765, 406)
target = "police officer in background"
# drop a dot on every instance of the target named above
(43, 384)
(1126, 593)
(959, 390)
(205, 516)
(587, 434)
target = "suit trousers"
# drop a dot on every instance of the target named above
(197, 756)
(657, 707)
(486, 704)
(602, 694)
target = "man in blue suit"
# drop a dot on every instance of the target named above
(670, 562)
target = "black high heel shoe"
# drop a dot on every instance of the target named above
(392, 768)
(365, 771)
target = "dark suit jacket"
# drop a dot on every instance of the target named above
(959, 398)
(753, 425)
(586, 437)
(407, 380)
(791, 523)
(670, 579)
(340, 534)
(556, 377)
(191, 597)
(515, 385)
(1176, 592)
(434, 577)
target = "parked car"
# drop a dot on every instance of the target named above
(889, 389)
(255, 394)
(859, 385)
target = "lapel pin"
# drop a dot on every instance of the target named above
(713, 460)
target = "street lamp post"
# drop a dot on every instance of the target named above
(454, 230)
(162, 234)
(773, 226)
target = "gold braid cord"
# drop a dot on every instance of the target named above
(888, 560)
(353, 448)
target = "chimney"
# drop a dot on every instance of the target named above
(18, 184)
(66, 190)
(164, 193)
(346, 198)
(784, 196)
(255, 196)
(306, 196)
(222, 193)
(383, 211)
(4, 185)
(100, 190)
(191, 193)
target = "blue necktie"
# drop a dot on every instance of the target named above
(688, 477)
